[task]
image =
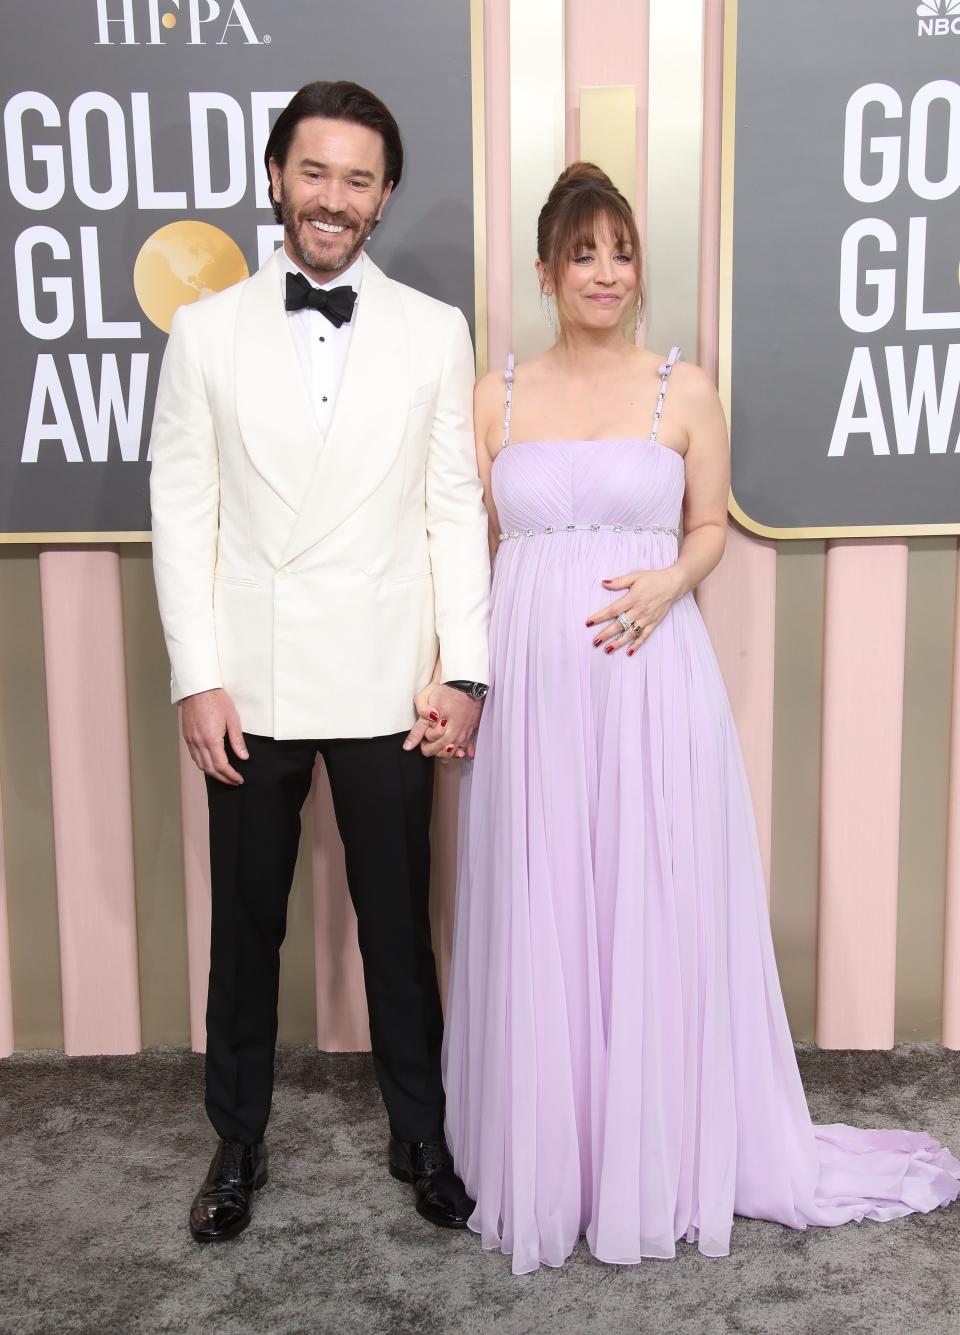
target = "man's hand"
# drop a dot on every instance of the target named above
(426, 716)
(206, 719)
(446, 723)
(451, 735)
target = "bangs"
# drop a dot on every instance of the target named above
(591, 215)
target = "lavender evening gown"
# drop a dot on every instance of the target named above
(617, 1058)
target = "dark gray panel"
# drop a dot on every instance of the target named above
(416, 56)
(797, 67)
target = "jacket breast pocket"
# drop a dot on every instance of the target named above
(238, 581)
(409, 578)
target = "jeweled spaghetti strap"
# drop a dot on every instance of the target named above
(508, 397)
(665, 370)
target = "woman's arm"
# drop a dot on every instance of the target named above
(707, 467)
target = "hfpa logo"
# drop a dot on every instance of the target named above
(938, 18)
(206, 21)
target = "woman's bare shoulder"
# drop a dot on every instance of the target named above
(534, 369)
(690, 381)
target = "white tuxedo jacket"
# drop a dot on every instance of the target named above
(314, 578)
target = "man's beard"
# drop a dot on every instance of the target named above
(331, 262)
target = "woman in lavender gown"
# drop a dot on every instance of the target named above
(617, 1057)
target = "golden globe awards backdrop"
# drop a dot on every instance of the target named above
(133, 181)
(841, 356)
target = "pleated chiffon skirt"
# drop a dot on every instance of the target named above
(617, 1057)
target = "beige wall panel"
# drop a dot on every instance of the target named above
(297, 1009)
(608, 134)
(155, 790)
(443, 867)
(28, 807)
(931, 590)
(674, 168)
(798, 683)
(536, 154)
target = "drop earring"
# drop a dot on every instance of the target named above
(638, 324)
(546, 304)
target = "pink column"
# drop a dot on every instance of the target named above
(951, 950)
(6, 996)
(739, 599)
(342, 1021)
(496, 37)
(865, 627)
(196, 880)
(594, 60)
(92, 817)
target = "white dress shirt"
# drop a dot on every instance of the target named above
(321, 347)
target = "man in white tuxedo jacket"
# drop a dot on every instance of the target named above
(320, 550)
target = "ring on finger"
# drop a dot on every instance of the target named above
(636, 627)
(624, 620)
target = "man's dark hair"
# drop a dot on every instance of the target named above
(336, 101)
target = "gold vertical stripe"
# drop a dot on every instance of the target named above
(28, 807)
(479, 185)
(725, 351)
(797, 717)
(297, 1006)
(155, 793)
(537, 131)
(608, 134)
(927, 690)
(674, 173)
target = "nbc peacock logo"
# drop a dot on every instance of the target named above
(938, 18)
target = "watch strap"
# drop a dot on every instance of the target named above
(476, 689)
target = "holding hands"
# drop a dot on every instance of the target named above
(630, 620)
(447, 721)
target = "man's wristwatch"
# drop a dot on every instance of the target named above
(475, 689)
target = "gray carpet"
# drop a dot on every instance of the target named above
(100, 1157)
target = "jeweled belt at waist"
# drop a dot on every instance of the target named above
(588, 528)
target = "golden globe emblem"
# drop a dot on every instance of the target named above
(183, 262)
(169, 20)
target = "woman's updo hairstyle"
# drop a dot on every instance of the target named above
(583, 198)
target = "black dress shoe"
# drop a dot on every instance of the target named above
(441, 1196)
(223, 1205)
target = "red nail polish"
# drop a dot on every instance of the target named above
(449, 749)
(443, 723)
(630, 653)
(589, 623)
(433, 716)
(597, 643)
(609, 649)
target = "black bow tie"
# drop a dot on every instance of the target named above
(336, 303)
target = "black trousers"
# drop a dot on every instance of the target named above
(382, 797)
